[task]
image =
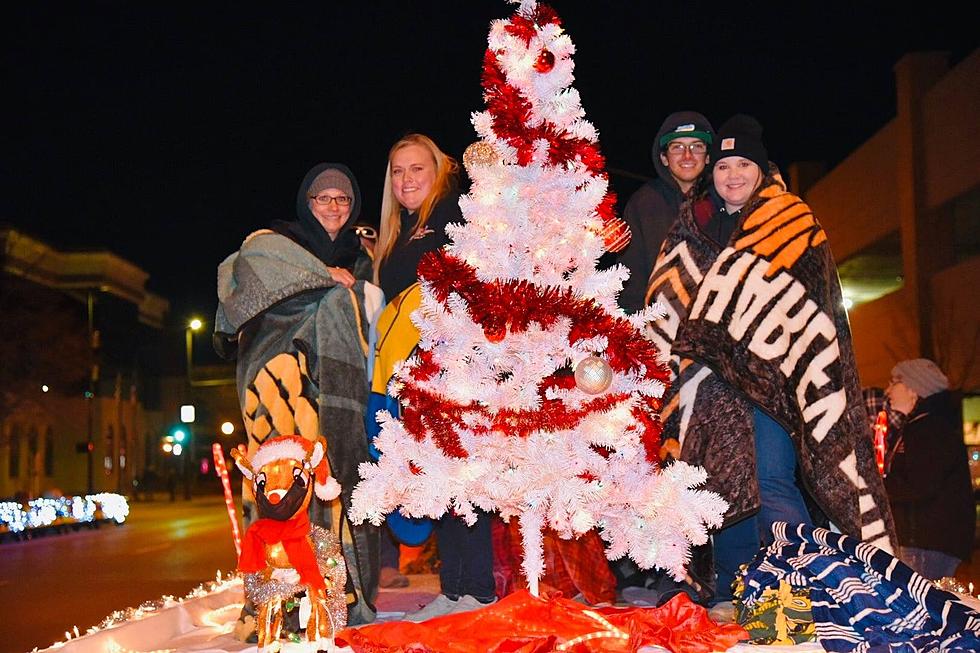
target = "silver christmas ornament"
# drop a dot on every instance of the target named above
(593, 375)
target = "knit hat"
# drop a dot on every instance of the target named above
(331, 178)
(311, 453)
(741, 135)
(685, 124)
(921, 376)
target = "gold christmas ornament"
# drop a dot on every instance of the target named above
(593, 375)
(479, 153)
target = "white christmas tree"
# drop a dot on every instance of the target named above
(532, 393)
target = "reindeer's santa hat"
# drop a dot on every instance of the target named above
(311, 453)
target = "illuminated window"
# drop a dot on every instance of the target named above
(110, 448)
(872, 272)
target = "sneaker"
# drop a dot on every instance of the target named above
(439, 606)
(391, 577)
(722, 613)
(468, 602)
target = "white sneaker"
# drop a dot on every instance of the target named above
(468, 602)
(723, 613)
(437, 607)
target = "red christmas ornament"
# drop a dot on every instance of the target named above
(494, 332)
(545, 62)
(615, 235)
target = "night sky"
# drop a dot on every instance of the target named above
(166, 132)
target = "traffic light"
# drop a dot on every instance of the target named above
(179, 433)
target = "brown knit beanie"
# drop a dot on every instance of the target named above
(331, 178)
(921, 376)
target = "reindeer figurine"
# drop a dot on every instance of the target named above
(282, 553)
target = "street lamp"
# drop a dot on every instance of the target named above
(187, 416)
(194, 325)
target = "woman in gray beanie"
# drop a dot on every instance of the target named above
(927, 473)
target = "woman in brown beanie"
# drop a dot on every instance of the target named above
(927, 472)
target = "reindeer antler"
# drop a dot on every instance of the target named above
(239, 453)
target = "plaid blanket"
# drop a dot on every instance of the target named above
(863, 599)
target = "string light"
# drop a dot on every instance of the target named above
(16, 517)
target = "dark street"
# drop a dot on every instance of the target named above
(52, 583)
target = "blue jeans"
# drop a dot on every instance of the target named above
(389, 548)
(466, 557)
(930, 564)
(781, 499)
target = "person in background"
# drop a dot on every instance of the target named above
(766, 388)
(680, 154)
(293, 308)
(927, 472)
(420, 199)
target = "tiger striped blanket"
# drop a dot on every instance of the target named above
(863, 600)
(759, 321)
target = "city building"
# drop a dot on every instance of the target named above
(902, 215)
(79, 375)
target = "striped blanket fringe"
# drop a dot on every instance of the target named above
(864, 600)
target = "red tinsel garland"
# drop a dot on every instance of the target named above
(513, 306)
(511, 111)
(524, 27)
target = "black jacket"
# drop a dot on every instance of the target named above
(928, 480)
(650, 212)
(399, 270)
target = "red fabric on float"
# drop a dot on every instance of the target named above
(570, 566)
(521, 623)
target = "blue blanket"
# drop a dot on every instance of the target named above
(863, 599)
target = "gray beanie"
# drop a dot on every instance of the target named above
(331, 178)
(921, 376)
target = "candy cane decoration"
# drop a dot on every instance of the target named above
(222, 471)
(881, 430)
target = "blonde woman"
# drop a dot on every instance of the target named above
(420, 199)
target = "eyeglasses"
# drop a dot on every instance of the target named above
(677, 148)
(325, 200)
(364, 231)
